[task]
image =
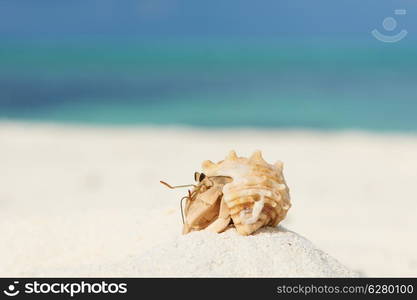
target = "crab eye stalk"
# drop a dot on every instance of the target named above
(202, 176)
(199, 176)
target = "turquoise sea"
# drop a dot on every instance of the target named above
(282, 84)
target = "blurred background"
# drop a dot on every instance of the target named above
(131, 77)
(296, 64)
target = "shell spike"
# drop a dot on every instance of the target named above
(279, 165)
(232, 155)
(207, 165)
(257, 156)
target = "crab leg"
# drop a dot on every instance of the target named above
(222, 221)
(201, 209)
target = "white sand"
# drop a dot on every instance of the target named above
(82, 201)
(270, 252)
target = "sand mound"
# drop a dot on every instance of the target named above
(271, 252)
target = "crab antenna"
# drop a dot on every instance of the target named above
(182, 212)
(175, 186)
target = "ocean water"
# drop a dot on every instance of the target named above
(291, 84)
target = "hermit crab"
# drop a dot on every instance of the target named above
(247, 193)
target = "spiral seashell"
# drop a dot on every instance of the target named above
(257, 195)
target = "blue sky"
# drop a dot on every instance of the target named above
(191, 18)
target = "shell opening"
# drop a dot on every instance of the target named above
(250, 217)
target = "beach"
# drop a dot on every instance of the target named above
(79, 200)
